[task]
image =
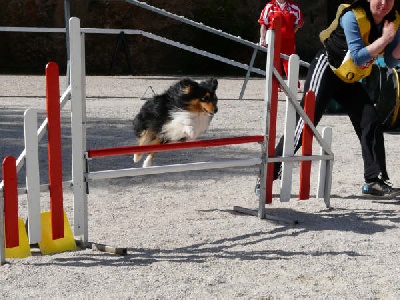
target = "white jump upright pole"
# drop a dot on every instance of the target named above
(32, 175)
(325, 170)
(290, 125)
(78, 129)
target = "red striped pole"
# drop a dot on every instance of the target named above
(54, 150)
(9, 174)
(125, 150)
(276, 26)
(305, 166)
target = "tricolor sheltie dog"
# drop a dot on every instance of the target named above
(181, 113)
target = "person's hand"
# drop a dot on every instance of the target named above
(388, 34)
(389, 31)
(263, 43)
(396, 51)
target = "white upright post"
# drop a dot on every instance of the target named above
(328, 183)
(290, 125)
(67, 14)
(325, 170)
(269, 67)
(32, 175)
(78, 131)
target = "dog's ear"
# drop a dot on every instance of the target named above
(211, 83)
(214, 84)
(186, 85)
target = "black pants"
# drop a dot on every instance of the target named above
(356, 102)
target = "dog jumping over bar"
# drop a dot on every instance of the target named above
(181, 113)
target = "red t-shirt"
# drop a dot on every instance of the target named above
(291, 16)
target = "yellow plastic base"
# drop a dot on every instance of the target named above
(48, 245)
(23, 250)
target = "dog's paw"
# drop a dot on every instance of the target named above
(189, 132)
(137, 157)
(148, 161)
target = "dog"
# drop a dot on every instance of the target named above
(183, 112)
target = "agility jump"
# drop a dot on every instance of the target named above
(273, 80)
(81, 176)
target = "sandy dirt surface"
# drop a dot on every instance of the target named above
(183, 238)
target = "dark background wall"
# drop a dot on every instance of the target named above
(29, 52)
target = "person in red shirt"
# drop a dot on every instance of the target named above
(292, 20)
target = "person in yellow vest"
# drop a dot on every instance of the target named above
(361, 32)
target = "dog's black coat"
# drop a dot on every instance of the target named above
(182, 112)
(156, 112)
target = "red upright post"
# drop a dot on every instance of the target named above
(276, 26)
(10, 202)
(305, 166)
(54, 149)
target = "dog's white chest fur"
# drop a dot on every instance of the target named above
(186, 124)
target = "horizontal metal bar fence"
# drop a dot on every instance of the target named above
(173, 146)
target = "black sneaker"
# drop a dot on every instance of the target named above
(377, 188)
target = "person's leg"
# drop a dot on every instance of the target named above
(367, 125)
(322, 81)
(288, 47)
(373, 153)
(372, 143)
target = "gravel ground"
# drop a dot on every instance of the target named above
(183, 238)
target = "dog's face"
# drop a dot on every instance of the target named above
(200, 97)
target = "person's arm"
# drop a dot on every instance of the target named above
(299, 21)
(263, 21)
(359, 52)
(263, 30)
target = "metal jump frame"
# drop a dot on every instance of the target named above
(81, 175)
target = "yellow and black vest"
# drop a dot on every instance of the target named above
(335, 44)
